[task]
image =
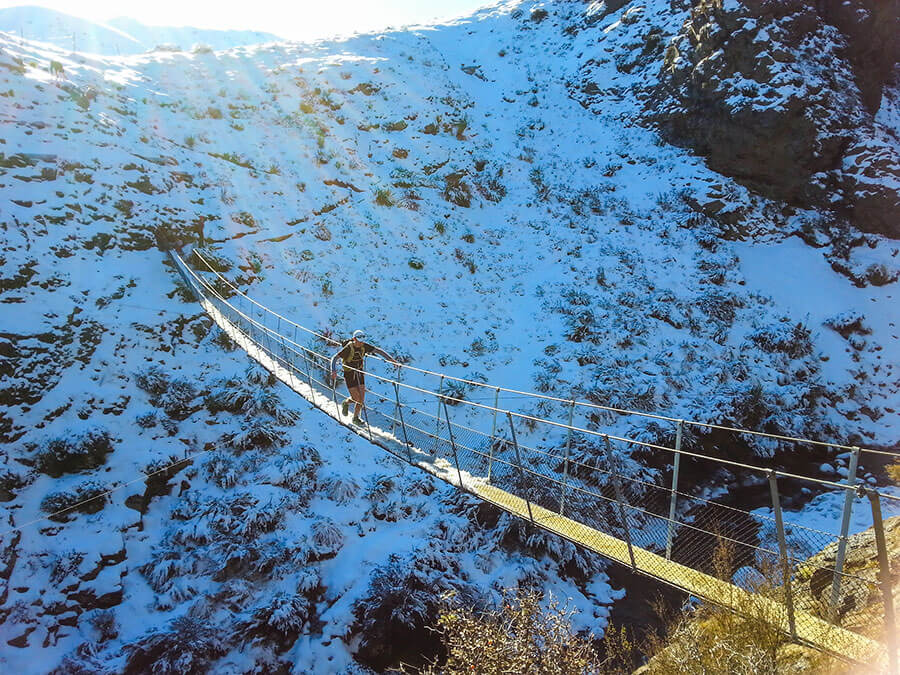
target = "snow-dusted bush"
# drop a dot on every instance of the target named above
(297, 471)
(85, 660)
(267, 402)
(848, 323)
(454, 390)
(491, 187)
(395, 617)
(257, 376)
(146, 420)
(227, 396)
(187, 646)
(76, 453)
(256, 434)
(65, 564)
(88, 497)
(880, 275)
(223, 469)
(280, 620)
(154, 380)
(9, 482)
(104, 622)
(167, 564)
(341, 489)
(456, 190)
(794, 340)
(327, 538)
(379, 488)
(177, 400)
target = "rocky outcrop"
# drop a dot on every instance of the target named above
(782, 95)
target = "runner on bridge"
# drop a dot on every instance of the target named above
(353, 354)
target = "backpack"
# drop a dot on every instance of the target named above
(357, 353)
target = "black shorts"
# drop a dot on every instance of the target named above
(354, 378)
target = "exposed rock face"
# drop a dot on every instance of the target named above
(781, 95)
(872, 44)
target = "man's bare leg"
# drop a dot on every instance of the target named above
(358, 394)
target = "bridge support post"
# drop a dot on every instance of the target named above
(674, 498)
(493, 432)
(289, 362)
(845, 529)
(884, 574)
(620, 498)
(308, 376)
(453, 445)
(512, 430)
(365, 411)
(402, 423)
(782, 548)
(437, 422)
(562, 497)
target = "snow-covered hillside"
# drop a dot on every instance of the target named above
(118, 36)
(441, 188)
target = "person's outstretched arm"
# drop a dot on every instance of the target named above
(383, 354)
(334, 360)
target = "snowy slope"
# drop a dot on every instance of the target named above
(118, 36)
(437, 187)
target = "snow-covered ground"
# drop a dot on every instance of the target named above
(437, 187)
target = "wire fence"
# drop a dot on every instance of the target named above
(587, 486)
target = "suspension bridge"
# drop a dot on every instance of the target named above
(587, 486)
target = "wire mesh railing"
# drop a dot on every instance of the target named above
(583, 484)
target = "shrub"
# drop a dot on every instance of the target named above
(456, 190)
(189, 645)
(297, 471)
(89, 497)
(327, 538)
(256, 434)
(848, 323)
(715, 640)
(279, 620)
(154, 380)
(793, 340)
(258, 376)
(517, 637)
(341, 489)
(9, 481)
(880, 275)
(223, 469)
(491, 188)
(383, 197)
(77, 453)
(394, 617)
(416, 263)
(104, 622)
(146, 420)
(177, 400)
(454, 390)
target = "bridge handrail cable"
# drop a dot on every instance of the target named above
(586, 404)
